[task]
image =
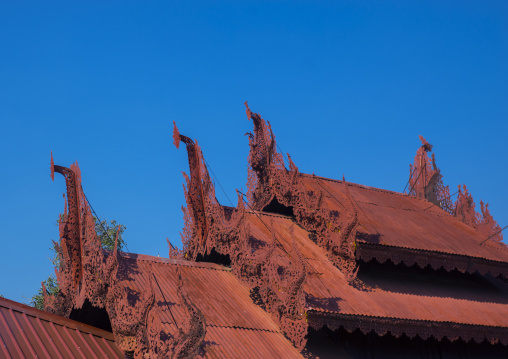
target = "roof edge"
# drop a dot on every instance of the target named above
(146, 257)
(409, 327)
(41, 314)
(359, 185)
(436, 259)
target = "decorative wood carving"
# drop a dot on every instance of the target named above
(269, 180)
(209, 226)
(426, 181)
(483, 222)
(87, 272)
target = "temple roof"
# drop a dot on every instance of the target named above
(26, 332)
(298, 253)
(397, 300)
(235, 326)
(390, 223)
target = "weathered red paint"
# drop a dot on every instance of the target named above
(33, 333)
(426, 182)
(210, 226)
(269, 180)
(86, 272)
(301, 270)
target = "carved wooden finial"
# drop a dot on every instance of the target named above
(176, 136)
(52, 167)
(425, 179)
(247, 111)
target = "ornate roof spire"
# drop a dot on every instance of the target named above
(199, 191)
(425, 179)
(71, 231)
(483, 222)
(265, 163)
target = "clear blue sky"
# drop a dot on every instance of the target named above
(347, 87)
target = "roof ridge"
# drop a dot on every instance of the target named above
(435, 251)
(408, 319)
(435, 296)
(444, 214)
(359, 185)
(245, 328)
(171, 261)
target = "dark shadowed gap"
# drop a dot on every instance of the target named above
(400, 278)
(275, 207)
(326, 344)
(215, 257)
(94, 316)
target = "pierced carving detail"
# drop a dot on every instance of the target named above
(268, 180)
(483, 222)
(228, 234)
(426, 181)
(87, 272)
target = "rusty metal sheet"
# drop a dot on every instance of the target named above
(26, 332)
(246, 343)
(400, 220)
(236, 327)
(327, 289)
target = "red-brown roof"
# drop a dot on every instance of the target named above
(26, 332)
(236, 327)
(401, 227)
(419, 304)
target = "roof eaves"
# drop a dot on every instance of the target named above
(42, 315)
(436, 259)
(409, 327)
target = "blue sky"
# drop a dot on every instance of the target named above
(347, 86)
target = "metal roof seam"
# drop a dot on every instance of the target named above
(49, 317)
(422, 321)
(34, 334)
(182, 263)
(23, 334)
(12, 338)
(429, 251)
(103, 353)
(437, 214)
(59, 336)
(78, 347)
(244, 328)
(4, 347)
(359, 185)
(86, 343)
(269, 214)
(51, 341)
(108, 348)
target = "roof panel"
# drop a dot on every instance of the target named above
(406, 221)
(327, 289)
(29, 332)
(236, 327)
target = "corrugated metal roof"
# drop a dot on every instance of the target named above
(26, 332)
(406, 221)
(327, 289)
(236, 327)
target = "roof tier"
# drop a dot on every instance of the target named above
(26, 332)
(235, 326)
(425, 307)
(407, 229)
